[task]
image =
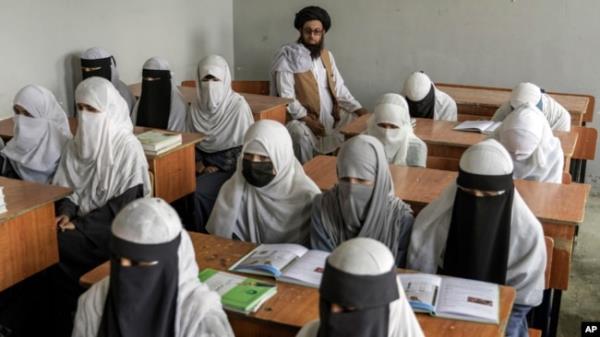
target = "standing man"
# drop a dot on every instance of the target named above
(306, 72)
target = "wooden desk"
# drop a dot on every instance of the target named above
(27, 230)
(263, 107)
(445, 146)
(174, 171)
(293, 306)
(559, 207)
(477, 102)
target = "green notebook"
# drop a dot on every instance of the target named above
(238, 293)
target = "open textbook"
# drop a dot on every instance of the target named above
(485, 127)
(286, 262)
(453, 297)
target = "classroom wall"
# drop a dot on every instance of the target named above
(40, 40)
(377, 43)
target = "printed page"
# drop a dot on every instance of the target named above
(477, 126)
(272, 257)
(474, 300)
(223, 282)
(307, 270)
(421, 291)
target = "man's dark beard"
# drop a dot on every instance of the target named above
(315, 49)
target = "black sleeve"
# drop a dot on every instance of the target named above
(6, 169)
(96, 224)
(225, 160)
(66, 207)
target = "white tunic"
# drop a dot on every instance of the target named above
(527, 251)
(333, 138)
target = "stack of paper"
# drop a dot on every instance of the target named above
(2, 202)
(156, 142)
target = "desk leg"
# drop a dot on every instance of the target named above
(555, 312)
(541, 315)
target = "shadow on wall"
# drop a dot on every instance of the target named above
(72, 73)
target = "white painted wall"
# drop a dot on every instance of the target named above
(377, 43)
(40, 40)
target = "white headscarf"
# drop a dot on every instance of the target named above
(537, 154)
(275, 213)
(395, 141)
(96, 53)
(417, 86)
(527, 248)
(104, 159)
(179, 108)
(365, 256)
(528, 93)
(38, 142)
(218, 112)
(392, 98)
(153, 221)
(525, 93)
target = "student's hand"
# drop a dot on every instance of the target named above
(69, 226)
(361, 111)
(62, 220)
(64, 223)
(210, 169)
(199, 167)
(314, 125)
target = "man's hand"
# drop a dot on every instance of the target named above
(361, 111)
(314, 125)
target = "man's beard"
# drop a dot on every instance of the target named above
(315, 49)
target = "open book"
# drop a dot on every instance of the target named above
(286, 262)
(453, 297)
(238, 293)
(485, 127)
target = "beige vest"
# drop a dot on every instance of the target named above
(307, 89)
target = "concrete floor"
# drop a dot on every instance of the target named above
(581, 302)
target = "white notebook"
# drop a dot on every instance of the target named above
(286, 262)
(485, 127)
(453, 297)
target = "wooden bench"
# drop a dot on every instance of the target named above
(445, 145)
(174, 171)
(559, 207)
(262, 106)
(293, 306)
(481, 102)
(27, 229)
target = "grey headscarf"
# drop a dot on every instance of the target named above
(351, 210)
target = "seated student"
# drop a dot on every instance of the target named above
(105, 166)
(390, 123)
(480, 228)
(98, 62)
(427, 101)
(153, 288)
(558, 117)
(362, 203)
(223, 116)
(306, 72)
(537, 154)
(268, 198)
(361, 295)
(161, 105)
(40, 134)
